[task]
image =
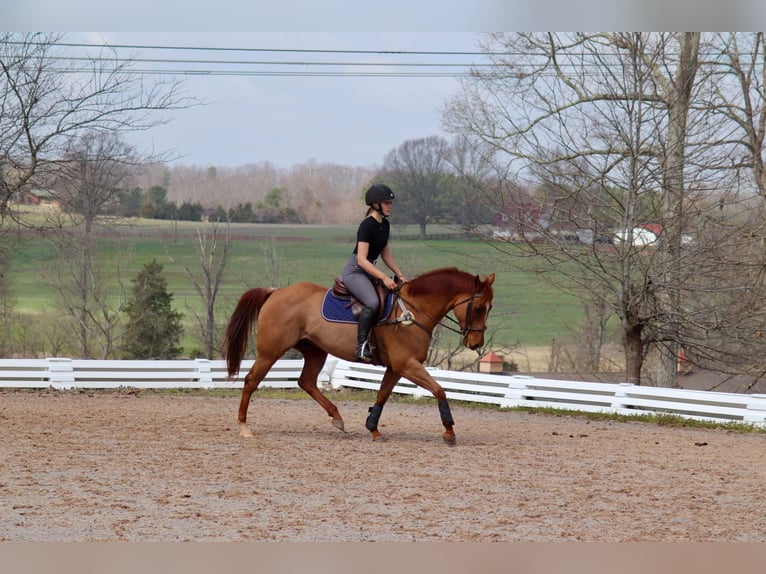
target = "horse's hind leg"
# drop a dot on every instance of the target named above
(253, 378)
(313, 361)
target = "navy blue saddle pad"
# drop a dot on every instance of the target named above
(339, 310)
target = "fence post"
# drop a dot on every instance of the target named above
(61, 373)
(204, 372)
(513, 394)
(325, 375)
(619, 394)
(756, 410)
(337, 380)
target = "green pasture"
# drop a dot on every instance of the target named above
(526, 312)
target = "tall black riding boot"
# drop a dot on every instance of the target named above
(366, 321)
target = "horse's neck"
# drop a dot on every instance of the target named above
(436, 304)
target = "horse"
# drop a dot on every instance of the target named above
(290, 318)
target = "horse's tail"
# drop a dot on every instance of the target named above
(240, 324)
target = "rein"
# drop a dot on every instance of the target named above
(407, 317)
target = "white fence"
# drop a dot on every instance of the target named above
(502, 390)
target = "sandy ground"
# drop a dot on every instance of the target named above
(160, 467)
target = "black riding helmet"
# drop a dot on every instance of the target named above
(378, 193)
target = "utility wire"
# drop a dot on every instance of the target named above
(279, 50)
(296, 68)
(277, 73)
(265, 62)
(301, 68)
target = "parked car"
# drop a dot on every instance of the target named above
(641, 237)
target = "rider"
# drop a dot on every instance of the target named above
(360, 271)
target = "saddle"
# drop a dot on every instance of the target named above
(340, 291)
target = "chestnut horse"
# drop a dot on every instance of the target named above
(290, 318)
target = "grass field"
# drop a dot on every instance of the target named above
(525, 313)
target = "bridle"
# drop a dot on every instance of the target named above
(467, 329)
(464, 331)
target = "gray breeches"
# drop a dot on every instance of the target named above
(359, 283)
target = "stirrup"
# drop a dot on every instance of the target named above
(364, 353)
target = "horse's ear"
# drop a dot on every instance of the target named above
(490, 279)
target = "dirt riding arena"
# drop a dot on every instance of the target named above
(159, 467)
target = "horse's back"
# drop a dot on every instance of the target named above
(296, 299)
(298, 291)
(294, 313)
(303, 289)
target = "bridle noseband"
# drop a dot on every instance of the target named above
(467, 329)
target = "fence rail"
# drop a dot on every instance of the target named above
(503, 390)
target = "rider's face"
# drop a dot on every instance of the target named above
(385, 207)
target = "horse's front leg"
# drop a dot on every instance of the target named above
(447, 421)
(418, 374)
(390, 378)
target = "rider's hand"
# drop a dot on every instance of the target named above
(389, 283)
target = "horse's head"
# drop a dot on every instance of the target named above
(437, 292)
(473, 310)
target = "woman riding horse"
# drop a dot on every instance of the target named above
(360, 272)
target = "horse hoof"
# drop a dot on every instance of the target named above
(245, 432)
(380, 438)
(338, 424)
(450, 439)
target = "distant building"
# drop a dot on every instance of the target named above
(37, 197)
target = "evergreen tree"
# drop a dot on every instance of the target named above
(154, 328)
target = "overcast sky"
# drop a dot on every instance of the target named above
(350, 119)
(353, 119)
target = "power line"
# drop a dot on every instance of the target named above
(194, 66)
(279, 50)
(284, 73)
(267, 62)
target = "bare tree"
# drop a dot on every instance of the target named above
(212, 247)
(604, 133)
(7, 309)
(92, 296)
(447, 351)
(738, 100)
(47, 101)
(89, 179)
(309, 188)
(60, 123)
(677, 90)
(91, 175)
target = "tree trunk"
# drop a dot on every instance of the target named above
(668, 294)
(634, 356)
(210, 331)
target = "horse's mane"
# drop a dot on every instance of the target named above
(440, 280)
